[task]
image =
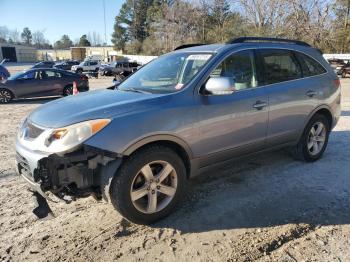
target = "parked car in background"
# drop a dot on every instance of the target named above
(335, 62)
(41, 82)
(44, 64)
(343, 70)
(179, 115)
(87, 65)
(4, 73)
(67, 65)
(119, 68)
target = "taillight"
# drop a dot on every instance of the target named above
(83, 77)
(337, 82)
(75, 88)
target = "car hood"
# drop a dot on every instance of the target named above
(90, 105)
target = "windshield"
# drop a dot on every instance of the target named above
(167, 74)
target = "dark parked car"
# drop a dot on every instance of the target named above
(44, 64)
(178, 116)
(119, 68)
(344, 70)
(67, 65)
(4, 73)
(41, 82)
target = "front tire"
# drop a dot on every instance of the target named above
(148, 185)
(68, 90)
(5, 96)
(314, 140)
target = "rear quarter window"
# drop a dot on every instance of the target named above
(309, 65)
(280, 65)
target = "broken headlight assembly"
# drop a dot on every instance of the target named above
(67, 138)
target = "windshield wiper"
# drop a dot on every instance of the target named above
(130, 89)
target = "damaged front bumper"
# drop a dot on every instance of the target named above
(84, 172)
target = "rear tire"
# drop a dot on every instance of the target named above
(314, 140)
(79, 71)
(5, 96)
(68, 90)
(156, 196)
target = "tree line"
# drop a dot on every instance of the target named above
(37, 39)
(153, 27)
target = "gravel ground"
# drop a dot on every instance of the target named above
(266, 208)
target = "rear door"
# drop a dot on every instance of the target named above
(291, 96)
(233, 124)
(51, 82)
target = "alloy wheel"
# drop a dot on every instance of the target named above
(68, 91)
(5, 96)
(153, 187)
(317, 138)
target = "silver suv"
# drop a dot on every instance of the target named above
(183, 113)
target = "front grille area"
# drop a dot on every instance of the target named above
(23, 166)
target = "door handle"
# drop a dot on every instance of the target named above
(311, 93)
(259, 105)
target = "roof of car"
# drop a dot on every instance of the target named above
(218, 48)
(251, 42)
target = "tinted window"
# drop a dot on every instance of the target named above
(48, 74)
(310, 66)
(28, 75)
(241, 67)
(93, 63)
(280, 66)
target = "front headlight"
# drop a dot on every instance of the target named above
(59, 140)
(67, 138)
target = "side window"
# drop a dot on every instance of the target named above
(241, 67)
(93, 63)
(45, 74)
(309, 65)
(29, 75)
(280, 65)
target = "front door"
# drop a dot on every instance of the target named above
(233, 124)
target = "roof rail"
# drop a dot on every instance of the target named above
(266, 39)
(186, 46)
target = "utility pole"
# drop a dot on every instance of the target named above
(104, 18)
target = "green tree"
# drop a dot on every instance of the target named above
(26, 36)
(83, 41)
(131, 24)
(63, 43)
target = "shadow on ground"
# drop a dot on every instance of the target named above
(269, 190)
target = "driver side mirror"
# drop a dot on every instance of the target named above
(220, 85)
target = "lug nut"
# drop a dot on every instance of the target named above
(148, 188)
(158, 187)
(153, 191)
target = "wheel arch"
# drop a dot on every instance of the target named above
(12, 94)
(173, 142)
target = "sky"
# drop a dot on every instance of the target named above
(59, 17)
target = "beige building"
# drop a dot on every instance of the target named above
(17, 53)
(53, 54)
(21, 53)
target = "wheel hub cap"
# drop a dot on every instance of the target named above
(153, 187)
(317, 138)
